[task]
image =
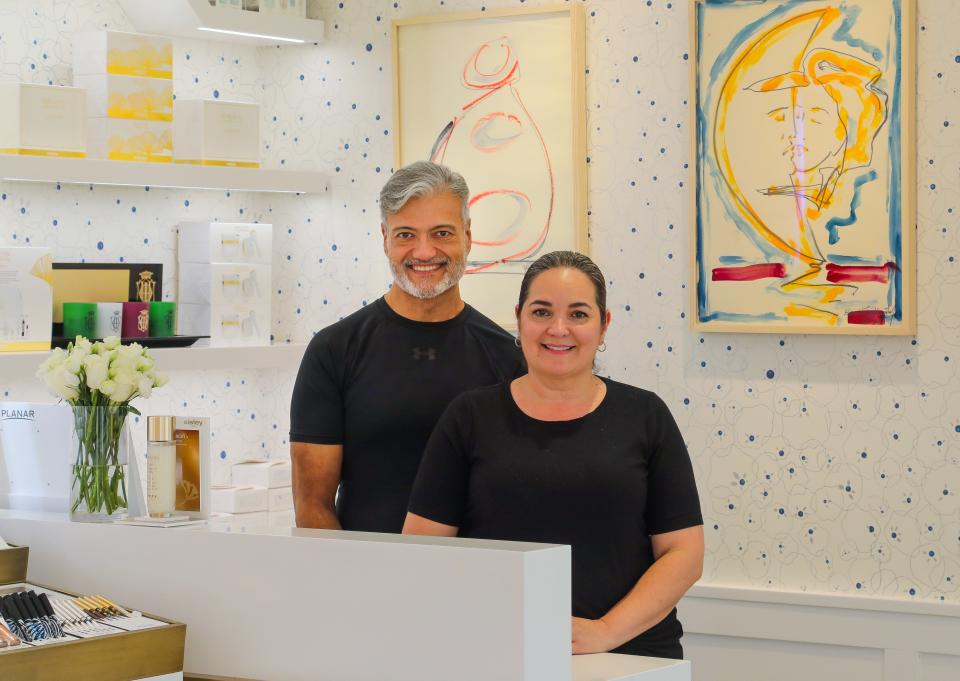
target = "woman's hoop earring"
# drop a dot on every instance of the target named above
(602, 348)
(516, 341)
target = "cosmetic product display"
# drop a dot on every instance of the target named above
(268, 473)
(35, 457)
(279, 499)
(51, 635)
(192, 434)
(105, 283)
(26, 299)
(163, 318)
(36, 618)
(238, 499)
(224, 282)
(136, 320)
(124, 139)
(295, 8)
(109, 318)
(216, 132)
(30, 617)
(225, 242)
(136, 97)
(7, 637)
(42, 120)
(126, 54)
(161, 466)
(229, 302)
(128, 77)
(79, 319)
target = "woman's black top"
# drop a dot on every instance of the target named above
(602, 483)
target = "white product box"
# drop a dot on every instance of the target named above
(238, 499)
(224, 284)
(35, 455)
(122, 54)
(280, 499)
(42, 120)
(283, 518)
(123, 139)
(236, 325)
(225, 242)
(109, 96)
(295, 8)
(270, 473)
(26, 299)
(233, 4)
(213, 132)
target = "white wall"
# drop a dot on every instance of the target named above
(880, 416)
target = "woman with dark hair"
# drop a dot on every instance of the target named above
(563, 456)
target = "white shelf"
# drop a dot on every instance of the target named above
(177, 175)
(19, 365)
(199, 20)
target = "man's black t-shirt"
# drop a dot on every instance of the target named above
(602, 483)
(377, 383)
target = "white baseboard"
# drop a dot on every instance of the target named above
(744, 634)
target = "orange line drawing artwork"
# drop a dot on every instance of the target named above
(511, 174)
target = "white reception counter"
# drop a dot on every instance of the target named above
(284, 604)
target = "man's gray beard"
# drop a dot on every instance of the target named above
(454, 272)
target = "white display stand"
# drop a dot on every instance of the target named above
(299, 605)
(176, 175)
(279, 356)
(197, 19)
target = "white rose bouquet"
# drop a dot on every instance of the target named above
(99, 380)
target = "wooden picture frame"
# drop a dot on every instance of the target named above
(803, 132)
(499, 97)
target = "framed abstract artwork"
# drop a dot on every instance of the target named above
(804, 166)
(498, 97)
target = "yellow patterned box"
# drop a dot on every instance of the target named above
(26, 299)
(124, 139)
(122, 54)
(212, 132)
(42, 120)
(147, 99)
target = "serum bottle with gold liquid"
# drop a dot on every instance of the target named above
(161, 467)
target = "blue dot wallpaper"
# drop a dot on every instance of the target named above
(824, 463)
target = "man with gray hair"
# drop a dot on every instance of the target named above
(372, 386)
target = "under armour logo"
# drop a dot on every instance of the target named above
(429, 353)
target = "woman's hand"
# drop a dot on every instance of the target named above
(591, 636)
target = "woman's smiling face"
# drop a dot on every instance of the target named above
(560, 325)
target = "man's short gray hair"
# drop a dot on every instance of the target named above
(419, 179)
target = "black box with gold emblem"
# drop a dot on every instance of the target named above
(99, 282)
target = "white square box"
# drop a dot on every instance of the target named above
(26, 299)
(295, 8)
(269, 473)
(42, 120)
(225, 242)
(124, 139)
(224, 284)
(122, 54)
(232, 326)
(109, 96)
(214, 132)
(280, 499)
(238, 499)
